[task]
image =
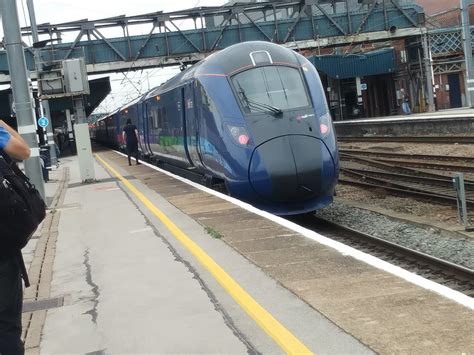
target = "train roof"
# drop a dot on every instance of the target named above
(231, 60)
(175, 81)
(246, 55)
(131, 103)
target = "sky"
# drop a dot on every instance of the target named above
(124, 89)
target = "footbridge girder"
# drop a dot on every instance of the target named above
(301, 25)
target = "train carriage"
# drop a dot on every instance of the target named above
(252, 117)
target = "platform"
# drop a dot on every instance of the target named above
(458, 121)
(140, 262)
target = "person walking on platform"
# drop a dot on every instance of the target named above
(11, 289)
(406, 105)
(130, 136)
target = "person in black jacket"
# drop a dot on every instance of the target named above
(130, 136)
(11, 289)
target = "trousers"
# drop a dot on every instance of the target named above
(11, 300)
(132, 148)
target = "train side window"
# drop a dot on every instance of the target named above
(154, 118)
(204, 97)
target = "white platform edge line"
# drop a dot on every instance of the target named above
(342, 248)
(408, 118)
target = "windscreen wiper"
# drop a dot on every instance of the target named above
(262, 107)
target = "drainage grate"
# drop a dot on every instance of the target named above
(40, 305)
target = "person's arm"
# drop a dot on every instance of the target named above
(16, 146)
(123, 136)
(136, 134)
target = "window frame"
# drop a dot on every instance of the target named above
(250, 113)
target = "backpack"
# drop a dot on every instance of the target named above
(21, 207)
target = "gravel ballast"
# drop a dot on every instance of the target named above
(427, 239)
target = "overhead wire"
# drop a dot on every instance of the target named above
(183, 42)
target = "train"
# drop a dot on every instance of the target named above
(251, 119)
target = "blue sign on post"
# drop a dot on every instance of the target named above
(43, 122)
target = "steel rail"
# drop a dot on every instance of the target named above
(402, 190)
(411, 139)
(427, 181)
(429, 165)
(389, 166)
(373, 153)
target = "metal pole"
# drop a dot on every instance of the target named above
(21, 91)
(428, 76)
(458, 181)
(467, 46)
(50, 133)
(83, 141)
(45, 103)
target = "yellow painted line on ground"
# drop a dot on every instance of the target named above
(282, 336)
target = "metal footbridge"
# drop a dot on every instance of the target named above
(305, 24)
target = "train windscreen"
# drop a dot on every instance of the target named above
(270, 89)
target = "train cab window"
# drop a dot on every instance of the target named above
(271, 87)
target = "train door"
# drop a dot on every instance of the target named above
(191, 132)
(454, 90)
(141, 121)
(146, 127)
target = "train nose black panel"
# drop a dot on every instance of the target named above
(287, 168)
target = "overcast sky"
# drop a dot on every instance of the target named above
(57, 11)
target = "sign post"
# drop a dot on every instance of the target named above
(458, 181)
(44, 104)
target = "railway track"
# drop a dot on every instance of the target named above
(456, 277)
(427, 192)
(465, 165)
(407, 157)
(411, 139)
(399, 177)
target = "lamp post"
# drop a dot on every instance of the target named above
(428, 71)
(44, 104)
(21, 91)
(467, 45)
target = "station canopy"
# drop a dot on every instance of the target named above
(382, 61)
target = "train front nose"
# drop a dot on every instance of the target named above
(291, 168)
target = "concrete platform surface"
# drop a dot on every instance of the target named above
(386, 309)
(108, 277)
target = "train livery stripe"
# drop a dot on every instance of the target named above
(282, 336)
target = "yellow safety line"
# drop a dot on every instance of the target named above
(282, 336)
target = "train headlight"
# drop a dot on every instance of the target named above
(239, 134)
(325, 124)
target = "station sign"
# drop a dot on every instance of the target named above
(43, 122)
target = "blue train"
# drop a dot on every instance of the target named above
(252, 117)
